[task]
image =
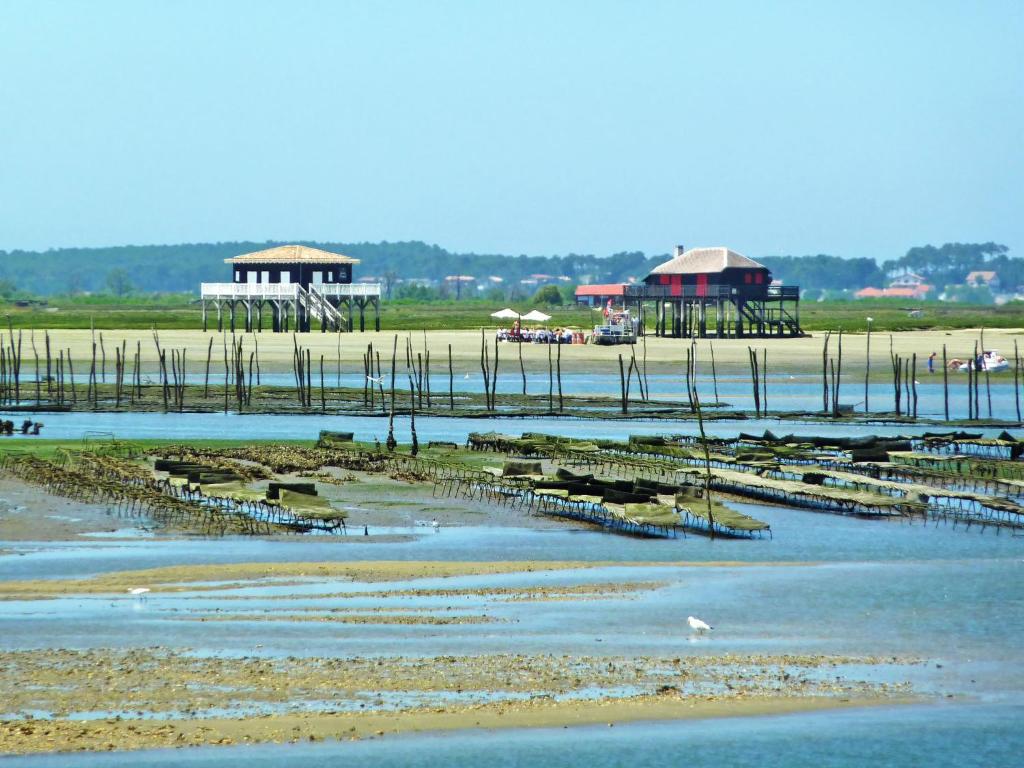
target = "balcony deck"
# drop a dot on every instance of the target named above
(272, 291)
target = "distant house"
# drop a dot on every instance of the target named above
(916, 292)
(907, 280)
(599, 294)
(983, 279)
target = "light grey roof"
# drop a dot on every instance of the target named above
(700, 260)
(292, 254)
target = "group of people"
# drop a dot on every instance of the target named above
(28, 427)
(539, 335)
(988, 360)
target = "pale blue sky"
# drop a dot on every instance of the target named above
(853, 128)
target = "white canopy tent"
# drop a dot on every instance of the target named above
(505, 314)
(536, 316)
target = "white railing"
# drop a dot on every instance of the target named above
(285, 290)
(249, 290)
(347, 289)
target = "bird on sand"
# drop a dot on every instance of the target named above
(698, 625)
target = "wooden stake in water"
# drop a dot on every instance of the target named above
(494, 378)
(647, 388)
(49, 372)
(380, 385)
(484, 369)
(707, 460)
(913, 378)
(896, 379)
(522, 368)
(763, 373)
(391, 442)
(945, 384)
(622, 384)
(415, 448)
(451, 381)
(256, 355)
(824, 373)
(752, 359)
(988, 384)
(837, 379)
(977, 385)
(1016, 377)
(71, 380)
(38, 383)
(309, 380)
(970, 390)
(689, 379)
(206, 380)
(714, 373)
(867, 371)
(558, 362)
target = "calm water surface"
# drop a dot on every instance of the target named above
(186, 426)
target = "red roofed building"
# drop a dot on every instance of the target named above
(598, 295)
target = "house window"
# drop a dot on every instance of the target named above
(238, 276)
(265, 276)
(318, 277)
(747, 278)
(286, 276)
(251, 276)
(759, 278)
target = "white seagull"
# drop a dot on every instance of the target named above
(377, 380)
(699, 626)
(139, 592)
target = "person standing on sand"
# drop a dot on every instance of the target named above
(931, 363)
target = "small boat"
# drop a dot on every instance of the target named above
(621, 328)
(990, 362)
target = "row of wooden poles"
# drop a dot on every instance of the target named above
(241, 366)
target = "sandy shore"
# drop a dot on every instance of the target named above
(165, 697)
(275, 350)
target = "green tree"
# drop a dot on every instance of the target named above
(118, 282)
(548, 294)
(7, 288)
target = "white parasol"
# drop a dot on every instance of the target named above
(505, 314)
(536, 316)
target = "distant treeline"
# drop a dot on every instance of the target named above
(173, 268)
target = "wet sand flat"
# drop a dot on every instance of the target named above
(104, 698)
(230, 575)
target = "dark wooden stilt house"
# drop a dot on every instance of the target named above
(300, 286)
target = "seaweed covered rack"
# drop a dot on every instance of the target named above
(866, 476)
